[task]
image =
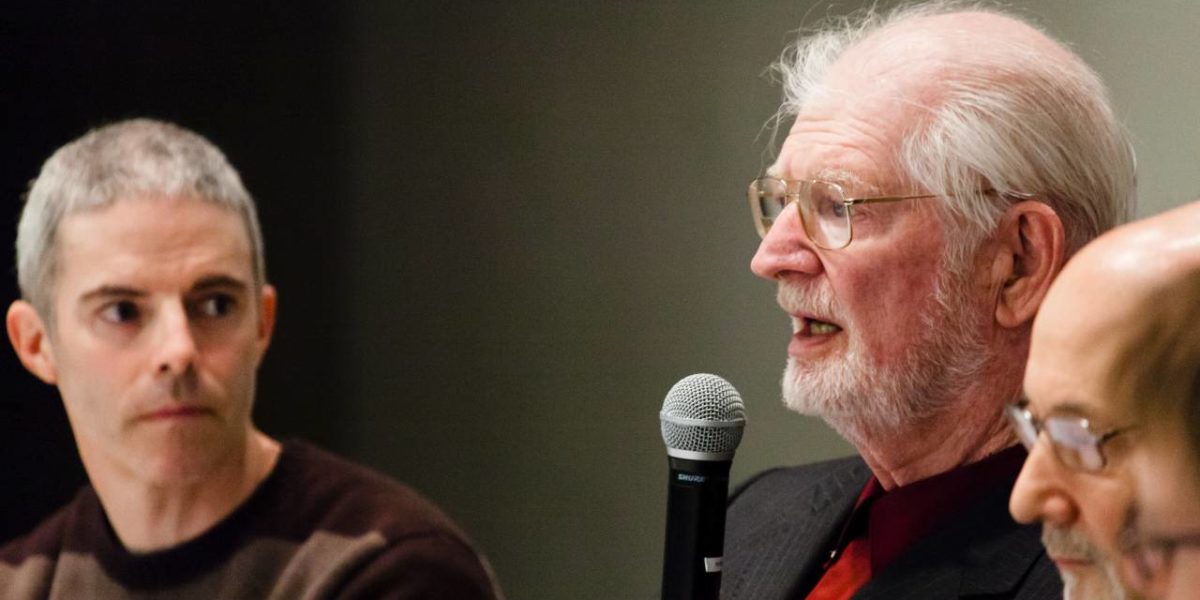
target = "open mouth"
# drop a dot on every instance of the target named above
(810, 327)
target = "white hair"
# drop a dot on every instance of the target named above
(133, 158)
(1008, 123)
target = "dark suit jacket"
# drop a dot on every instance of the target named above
(782, 523)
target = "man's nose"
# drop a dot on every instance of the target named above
(177, 342)
(786, 249)
(1042, 493)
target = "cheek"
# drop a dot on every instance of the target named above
(231, 363)
(1185, 578)
(887, 304)
(95, 388)
(1107, 506)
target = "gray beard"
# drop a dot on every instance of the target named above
(1072, 542)
(1111, 590)
(856, 395)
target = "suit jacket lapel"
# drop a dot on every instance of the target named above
(786, 541)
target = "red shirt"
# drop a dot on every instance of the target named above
(884, 523)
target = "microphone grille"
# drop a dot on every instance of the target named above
(702, 417)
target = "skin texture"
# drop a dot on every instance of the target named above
(1094, 354)
(881, 285)
(158, 335)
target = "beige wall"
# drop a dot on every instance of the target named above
(1149, 54)
(549, 228)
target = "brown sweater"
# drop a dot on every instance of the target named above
(317, 527)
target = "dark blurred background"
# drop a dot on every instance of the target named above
(500, 232)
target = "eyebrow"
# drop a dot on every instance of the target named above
(841, 177)
(1071, 409)
(204, 284)
(109, 291)
(219, 281)
(1065, 409)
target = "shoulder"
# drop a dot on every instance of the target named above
(785, 484)
(28, 562)
(406, 547)
(47, 538)
(348, 498)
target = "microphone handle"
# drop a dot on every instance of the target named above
(696, 497)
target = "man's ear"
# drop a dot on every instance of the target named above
(1030, 253)
(266, 318)
(30, 339)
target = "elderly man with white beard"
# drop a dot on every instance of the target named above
(944, 162)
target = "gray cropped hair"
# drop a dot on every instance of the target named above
(1008, 123)
(139, 158)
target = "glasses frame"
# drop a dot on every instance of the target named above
(1023, 423)
(792, 195)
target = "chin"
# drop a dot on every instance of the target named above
(173, 469)
(185, 459)
(1096, 583)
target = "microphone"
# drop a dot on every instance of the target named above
(702, 420)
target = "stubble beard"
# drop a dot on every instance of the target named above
(857, 395)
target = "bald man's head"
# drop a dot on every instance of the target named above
(1130, 302)
(1113, 365)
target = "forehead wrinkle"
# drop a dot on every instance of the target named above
(838, 141)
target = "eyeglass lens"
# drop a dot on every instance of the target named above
(822, 209)
(1072, 442)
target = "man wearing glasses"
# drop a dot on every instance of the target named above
(1114, 384)
(941, 167)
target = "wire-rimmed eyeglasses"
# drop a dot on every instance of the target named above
(825, 211)
(1074, 443)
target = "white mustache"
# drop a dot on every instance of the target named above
(1069, 542)
(817, 302)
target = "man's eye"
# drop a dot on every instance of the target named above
(123, 311)
(217, 306)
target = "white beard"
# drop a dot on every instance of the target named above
(856, 394)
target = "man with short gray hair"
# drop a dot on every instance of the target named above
(944, 161)
(145, 302)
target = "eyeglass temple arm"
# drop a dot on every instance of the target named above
(874, 199)
(877, 199)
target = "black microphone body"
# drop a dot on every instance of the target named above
(696, 496)
(702, 421)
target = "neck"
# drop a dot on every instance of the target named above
(970, 427)
(148, 516)
(915, 451)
